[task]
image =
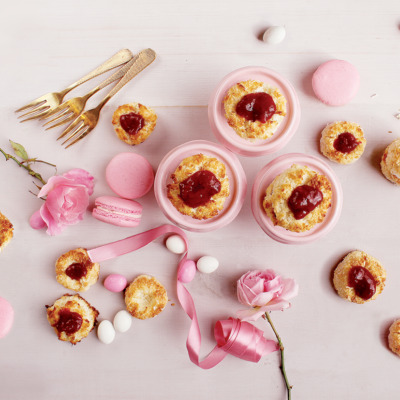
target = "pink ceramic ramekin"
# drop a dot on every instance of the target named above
(237, 185)
(268, 174)
(229, 138)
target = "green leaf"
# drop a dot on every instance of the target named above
(19, 150)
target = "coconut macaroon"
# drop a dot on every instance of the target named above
(76, 271)
(343, 142)
(72, 318)
(254, 109)
(359, 277)
(145, 297)
(298, 198)
(390, 163)
(394, 337)
(6, 231)
(199, 187)
(133, 123)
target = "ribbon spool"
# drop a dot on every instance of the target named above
(233, 336)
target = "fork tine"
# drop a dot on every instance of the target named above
(78, 135)
(34, 103)
(56, 116)
(62, 122)
(34, 112)
(61, 107)
(36, 116)
(72, 127)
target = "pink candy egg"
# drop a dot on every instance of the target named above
(187, 272)
(115, 283)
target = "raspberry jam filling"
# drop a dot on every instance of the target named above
(303, 200)
(256, 107)
(345, 142)
(362, 281)
(76, 271)
(69, 321)
(197, 189)
(131, 123)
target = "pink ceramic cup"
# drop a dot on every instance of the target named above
(268, 174)
(237, 185)
(229, 138)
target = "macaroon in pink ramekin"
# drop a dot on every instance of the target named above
(269, 173)
(226, 134)
(237, 185)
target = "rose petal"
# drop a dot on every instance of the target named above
(81, 177)
(262, 299)
(279, 304)
(36, 221)
(252, 314)
(53, 182)
(290, 289)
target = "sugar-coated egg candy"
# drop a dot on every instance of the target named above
(106, 332)
(122, 321)
(207, 264)
(187, 271)
(274, 35)
(115, 283)
(175, 244)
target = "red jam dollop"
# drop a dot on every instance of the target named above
(197, 189)
(362, 281)
(69, 321)
(256, 107)
(303, 200)
(76, 271)
(345, 142)
(131, 123)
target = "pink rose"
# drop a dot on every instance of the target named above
(264, 291)
(67, 198)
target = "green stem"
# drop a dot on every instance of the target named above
(21, 164)
(282, 349)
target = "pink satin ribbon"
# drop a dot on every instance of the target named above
(233, 336)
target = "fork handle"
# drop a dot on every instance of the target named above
(122, 57)
(136, 65)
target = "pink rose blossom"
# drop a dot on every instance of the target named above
(67, 198)
(264, 291)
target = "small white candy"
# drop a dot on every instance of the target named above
(274, 34)
(106, 332)
(175, 244)
(122, 321)
(207, 264)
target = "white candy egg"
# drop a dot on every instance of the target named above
(106, 332)
(274, 35)
(122, 321)
(207, 264)
(175, 244)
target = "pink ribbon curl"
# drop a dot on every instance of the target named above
(233, 336)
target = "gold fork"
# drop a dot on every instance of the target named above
(87, 121)
(72, 108)
(48, 102)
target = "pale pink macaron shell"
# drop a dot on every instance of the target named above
(237, 185)
(269, 173)
(117, 211)
(129, 175)
(226, 134)
(336, 82)
(6, 317)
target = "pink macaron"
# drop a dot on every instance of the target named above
(336, 82)
(129, 175)
(117, 211)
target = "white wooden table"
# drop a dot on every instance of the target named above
(334, 349)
